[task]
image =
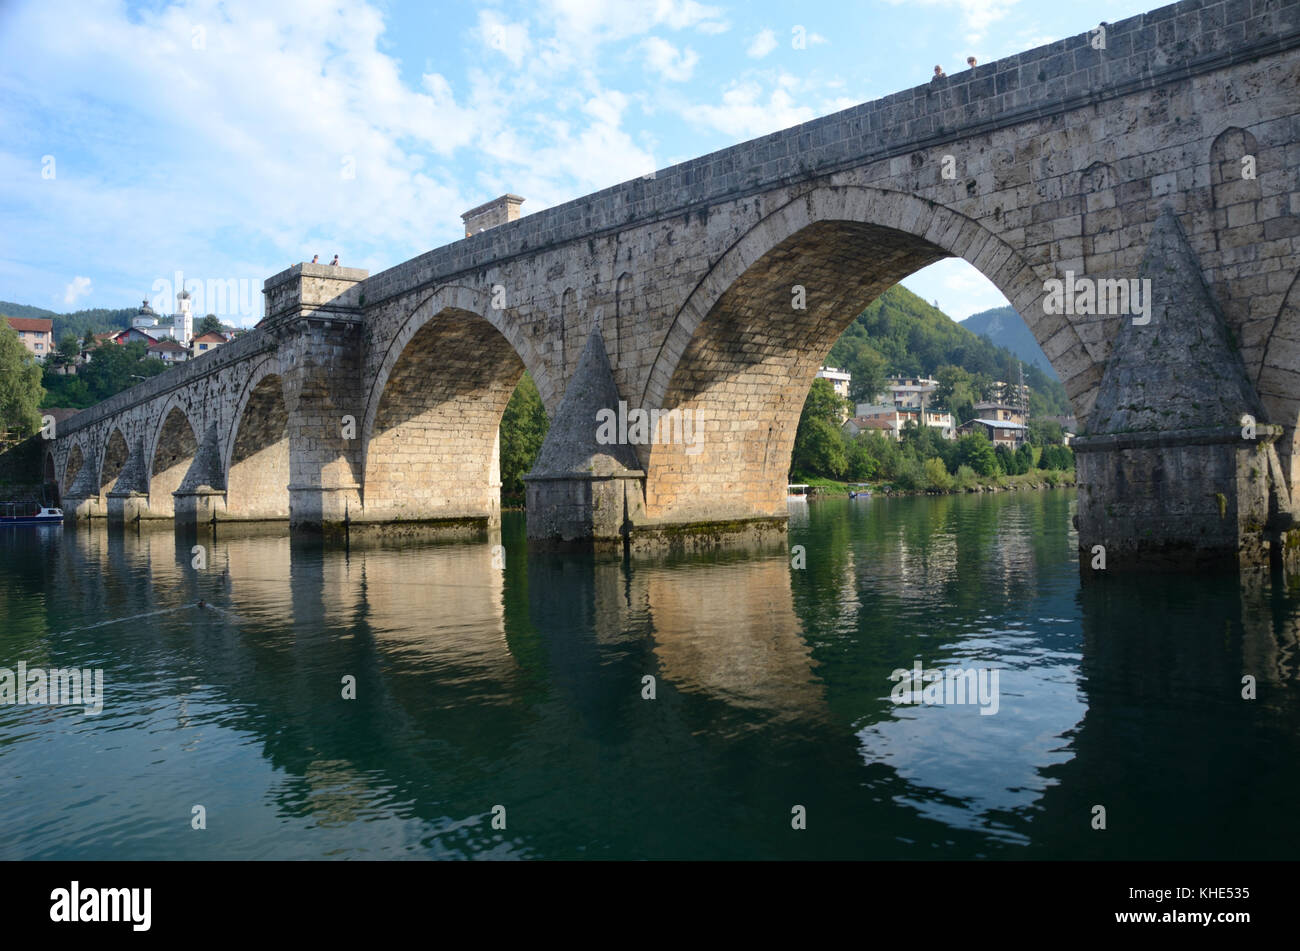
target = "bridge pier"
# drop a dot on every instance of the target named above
(201, 496)
(587, 488)
(198, 506)
(1178, 470)
(82, 500)
(128, 500)
(584, 492)
(314, 311)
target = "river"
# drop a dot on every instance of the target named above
(503, 702)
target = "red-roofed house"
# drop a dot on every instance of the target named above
(36, 333)
(206, 343)
(168, 351)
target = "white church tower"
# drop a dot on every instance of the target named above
(183, 322)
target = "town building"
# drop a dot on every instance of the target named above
(1000, 432)
(893, 421)
(168, 351)
(132, 335)
(1000, 411)
(206, 343)
(840, 380)
(856, 425)
(908, 392)
(36, 333)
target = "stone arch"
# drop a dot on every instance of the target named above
(742, 360)
(1278, 381)
(50, 479)
(1234, 196)
(171, 452)
(117, 450)
(72, 468)
(256, 455)
(431, 431)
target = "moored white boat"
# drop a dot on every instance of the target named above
(29, 513)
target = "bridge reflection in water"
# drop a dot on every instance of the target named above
(489, 676)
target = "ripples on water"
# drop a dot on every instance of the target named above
(522, 687)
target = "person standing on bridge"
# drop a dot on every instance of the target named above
(939, 73)
(335, 262)
(315, 258)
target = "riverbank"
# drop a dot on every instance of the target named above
(1035, 479)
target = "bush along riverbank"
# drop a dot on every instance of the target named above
(920, 460)
(820, 487)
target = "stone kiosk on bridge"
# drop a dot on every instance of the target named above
(1164, 148)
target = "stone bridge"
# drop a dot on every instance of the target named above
(1165, 147)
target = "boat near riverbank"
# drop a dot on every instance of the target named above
(29, 513)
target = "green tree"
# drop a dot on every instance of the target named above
(114, 368)
(523, 430)
(20, 385)
(1046, 432)
(65, 354)
(819, 450)
(936, 474)
(818, 443)
(209, 324)
(956, 392)
(975, 450)
(862, 465)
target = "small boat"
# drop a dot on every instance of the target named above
(859, 490)
(29, 513)
(797, 492)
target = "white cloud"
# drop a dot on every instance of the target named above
(960, 289)
(669, 62)
(511, 40)
(977, 15)
(762, 44)
(745, 111)
(582, 21)
(288, 128)
(76, 290)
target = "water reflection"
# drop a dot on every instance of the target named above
(521, 682)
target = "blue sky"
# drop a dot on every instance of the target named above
(229, 140)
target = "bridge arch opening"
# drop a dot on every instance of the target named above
(174, 452)
(76, 460)
(257, 480)
(432, 448)
(116, 454)
(754, 333)
(51, 480)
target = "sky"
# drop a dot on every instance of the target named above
(226, 141)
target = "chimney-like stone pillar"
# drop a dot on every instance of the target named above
(498, 211)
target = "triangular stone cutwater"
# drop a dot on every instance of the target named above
(571, 446)
(1181, 371)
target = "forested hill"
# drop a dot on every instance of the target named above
(96, 320)
(899, 334)
(1006, 328)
